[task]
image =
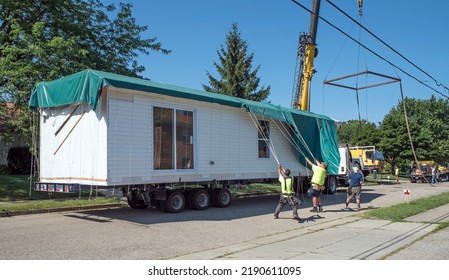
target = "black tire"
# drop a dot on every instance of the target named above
(200, 199)
(331, 185)
(135, 200)
(221, 198)
(175, 202)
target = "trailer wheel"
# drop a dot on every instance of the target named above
(175, 202)
(331, 187)
(200, 199)
(135, 200)
(221, 197)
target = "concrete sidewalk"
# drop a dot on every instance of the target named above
(343, 235)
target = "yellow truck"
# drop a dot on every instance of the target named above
(423, 172)
(368, 158)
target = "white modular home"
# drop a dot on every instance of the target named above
(154, 140)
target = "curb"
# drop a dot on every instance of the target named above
(62, 209)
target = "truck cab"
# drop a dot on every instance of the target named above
(367, 158)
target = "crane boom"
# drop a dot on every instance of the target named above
(307, 52)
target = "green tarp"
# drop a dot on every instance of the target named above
(315, 135)
(318, 131)
(85, 87)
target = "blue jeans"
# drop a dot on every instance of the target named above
(434, 179)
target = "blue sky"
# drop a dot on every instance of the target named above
(195, 29)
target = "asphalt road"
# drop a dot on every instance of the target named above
(129, 234)
(135, 234)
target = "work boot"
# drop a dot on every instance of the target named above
(314, 209)
(296, 218)
(320, 208)
(277, 211)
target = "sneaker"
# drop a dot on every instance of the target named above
(314, 209)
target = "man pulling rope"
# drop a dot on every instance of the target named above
(318, 179)
(287, 193)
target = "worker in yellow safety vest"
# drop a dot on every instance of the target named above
(318, 179)
(287, 193)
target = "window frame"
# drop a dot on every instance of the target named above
(260, 139)
(174, 110)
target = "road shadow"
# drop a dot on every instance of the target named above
(239, 208)
(244, 207)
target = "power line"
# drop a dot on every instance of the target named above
(370, 50)
(387, 45)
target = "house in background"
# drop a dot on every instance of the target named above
(5, 143)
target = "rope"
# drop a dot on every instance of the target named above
(409, 133)
(291, 140)
(264, 137)
(304, 143)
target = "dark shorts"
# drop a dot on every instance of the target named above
(314, 193)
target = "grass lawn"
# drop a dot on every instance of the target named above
(255, 188)
(15, 196)
(401, 211)
(17, 188)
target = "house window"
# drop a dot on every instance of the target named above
(173, 139)
(184, 139)
(264, 139)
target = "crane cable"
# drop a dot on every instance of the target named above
(387, 45)
(371, 51)
(358, 65)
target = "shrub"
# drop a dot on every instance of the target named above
(19, 160)
(4, 170)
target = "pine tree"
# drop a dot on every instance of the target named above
(237, 79)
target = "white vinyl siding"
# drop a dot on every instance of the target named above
(115, 143)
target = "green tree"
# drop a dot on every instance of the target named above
(358, 133)
(428, 122)
(394, 143)
(45, 40)
(236, 77)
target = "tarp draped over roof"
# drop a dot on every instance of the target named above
(318, 131)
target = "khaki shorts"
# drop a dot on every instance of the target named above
(354, 191)
(318, 187)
